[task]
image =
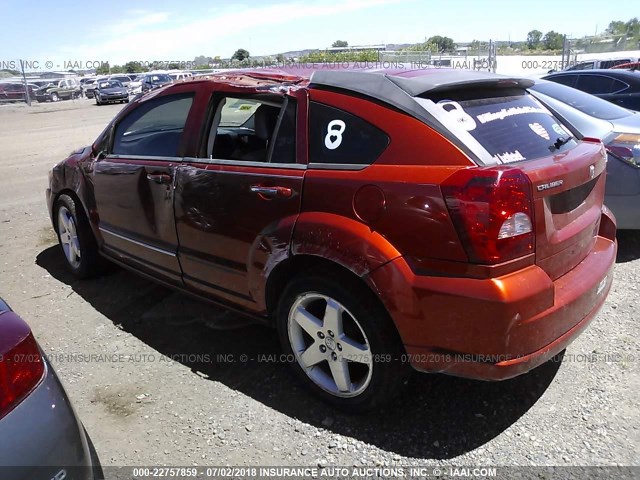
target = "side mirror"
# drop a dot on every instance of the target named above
(98, 154)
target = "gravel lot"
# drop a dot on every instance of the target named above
(167, 403)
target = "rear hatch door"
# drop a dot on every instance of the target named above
(506, 125)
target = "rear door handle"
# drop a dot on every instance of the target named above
(161, 178)
(271, 192)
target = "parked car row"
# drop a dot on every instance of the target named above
(15, 92)
(65, 89)
(604, 63)
(46, 91)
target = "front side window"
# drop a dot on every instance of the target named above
(153, 129)
(339, 137)
(612, 63)
(582, 66)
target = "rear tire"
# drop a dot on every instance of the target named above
(76, 239)
(341, 341)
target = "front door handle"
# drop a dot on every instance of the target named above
(161, 178)
(271, 192)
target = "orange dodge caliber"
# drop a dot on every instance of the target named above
(442, 219)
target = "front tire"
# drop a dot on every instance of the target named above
(76, 238)
(344, 345)
(98, 102)
(54, 97)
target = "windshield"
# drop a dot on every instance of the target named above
(236, 112)
(110, 84)
(512, 127)
(586, 103)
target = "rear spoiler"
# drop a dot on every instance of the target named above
(376, 83)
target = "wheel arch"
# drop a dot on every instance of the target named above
(298, 264)
(78, 200)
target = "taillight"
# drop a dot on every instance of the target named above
(21, 368)
(492, 211)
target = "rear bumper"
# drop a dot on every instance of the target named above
(47, 439)
(498, 328)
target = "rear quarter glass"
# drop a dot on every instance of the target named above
(512, 126)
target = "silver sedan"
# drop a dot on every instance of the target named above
(40, 435)
(619, 130)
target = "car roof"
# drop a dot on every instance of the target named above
(388, 85)
(603, 71)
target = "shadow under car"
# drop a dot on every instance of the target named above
(437, 416)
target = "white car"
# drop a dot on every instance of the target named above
(135, 86)
(176, 76)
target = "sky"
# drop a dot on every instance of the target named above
(118, 31)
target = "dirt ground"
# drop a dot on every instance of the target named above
(182, 393)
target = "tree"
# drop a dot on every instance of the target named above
(633, 27)
(201, 60)
(133, 67)
(442, 44)
(553, 40)
(474, 45)
(533, 39)
(103, 69)
(617, 28)
(340, 44)
(240, 55)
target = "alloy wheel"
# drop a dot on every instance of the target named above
(330, 345)
(69, 237)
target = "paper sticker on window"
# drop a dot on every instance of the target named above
(509, 112)
(540, 130)
(559, 130)
(509, 157)
(462, 118)
(335, 129)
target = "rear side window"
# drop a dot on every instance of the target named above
(593, 106)
(153, 129)
(510, 128)
(338, 137)
(600, 84)
(568, 80)
(613, 63)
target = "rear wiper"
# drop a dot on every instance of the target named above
(559, 142)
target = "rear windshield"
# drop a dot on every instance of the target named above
(586, 103)
(512, 128)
